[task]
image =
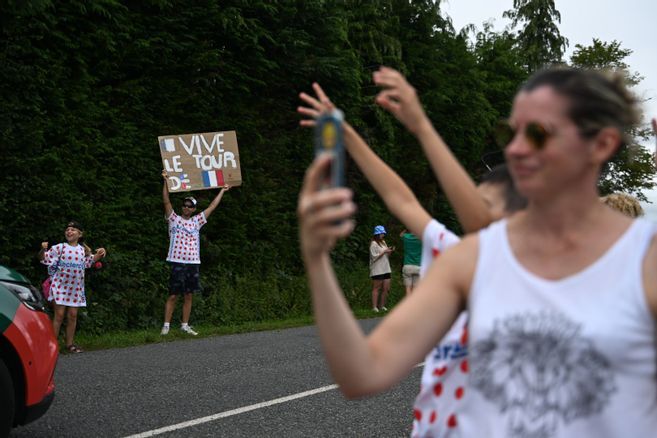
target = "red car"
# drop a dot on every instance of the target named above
(28, 352)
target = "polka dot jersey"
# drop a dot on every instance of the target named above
(444, 378)
(184, 238)
(66, 265)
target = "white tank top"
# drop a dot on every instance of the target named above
(575, 357)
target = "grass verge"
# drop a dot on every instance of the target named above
(131, 338)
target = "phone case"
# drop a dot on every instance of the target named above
(329, 139)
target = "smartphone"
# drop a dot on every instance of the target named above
(329, 139)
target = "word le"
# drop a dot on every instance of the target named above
(203, 161)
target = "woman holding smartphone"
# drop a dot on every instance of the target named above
(380, 271)
(562, 296)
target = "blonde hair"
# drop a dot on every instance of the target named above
(623, 203)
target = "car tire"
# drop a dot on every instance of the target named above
(7, 401)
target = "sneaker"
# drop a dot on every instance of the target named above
(165, 331)
(384, 308)
(374, 309)
(189, 330)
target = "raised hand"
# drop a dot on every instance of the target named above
(399, 98)
(44, 245)
(316, 106)
(324, 215)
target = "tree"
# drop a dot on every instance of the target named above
(633, 168)
(605, 56)
(88, 85)
(539, 39)
(500, 65)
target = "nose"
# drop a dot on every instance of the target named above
(518, 147)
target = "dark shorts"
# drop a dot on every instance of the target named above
(184, 279)
(381, 276)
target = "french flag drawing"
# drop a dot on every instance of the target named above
(213, 178)
(184, 180)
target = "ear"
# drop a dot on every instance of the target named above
(605, 144)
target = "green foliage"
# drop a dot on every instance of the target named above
(605, 56)
(88, 85)
(632, 169)
(539, 38)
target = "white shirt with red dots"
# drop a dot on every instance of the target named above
(184, 238)
(443, 386)
(66, 265)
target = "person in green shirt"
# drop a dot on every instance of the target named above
(412, 257)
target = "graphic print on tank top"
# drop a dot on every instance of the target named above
(541, 373)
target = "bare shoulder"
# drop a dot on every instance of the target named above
(467, 247)
(650, 275)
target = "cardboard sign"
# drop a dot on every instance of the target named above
(201, 161)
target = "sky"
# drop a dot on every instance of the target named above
(633, 23)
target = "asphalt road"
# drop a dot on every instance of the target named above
(238, 381)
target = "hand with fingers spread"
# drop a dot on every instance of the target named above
(393, 190)
(400, 99)
(324, 215)
(317, 106)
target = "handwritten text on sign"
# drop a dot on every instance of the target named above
(201, 161)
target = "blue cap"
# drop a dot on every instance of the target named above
(379, 229)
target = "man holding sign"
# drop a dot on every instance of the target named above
(184, 253)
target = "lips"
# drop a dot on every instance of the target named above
(522, 171)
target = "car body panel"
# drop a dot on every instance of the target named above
(11, 275)
(31, 347)
(9, 304)
(31, 335)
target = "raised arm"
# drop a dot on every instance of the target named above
(42, 251)
(217, 199)
(400, 98)
(168, 209)
(362, 364)
(397, 196)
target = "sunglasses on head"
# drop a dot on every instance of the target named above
(535, 132)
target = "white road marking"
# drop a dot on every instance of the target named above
(232, 412)
(237, 411)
